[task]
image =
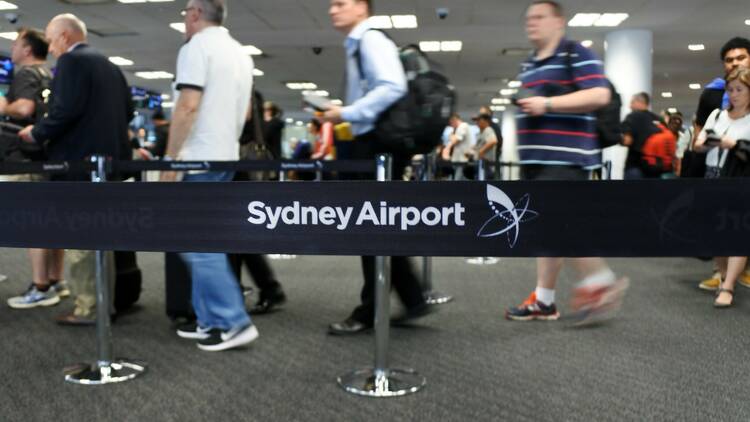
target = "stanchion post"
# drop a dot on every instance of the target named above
(430, 295)
(106, 370)
(381, 381)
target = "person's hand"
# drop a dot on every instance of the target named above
(728, 143)
(446, 154)
(168, 176)
(25, 134)
(332, 115)
(533, 106)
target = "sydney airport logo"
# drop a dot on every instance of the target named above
(506, 215)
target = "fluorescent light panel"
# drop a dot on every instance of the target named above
(394, 21)
(6, 5)
(319, 93)
(337, 102)
(299, 86)
(501, 101)
(157, 74)
(437, 46)
(9, 35)
(514, 84)
(167, 104)
(672, 110)
(258, 72)
(507, 92)
(587, 43)
(121, 61)
(598, 19)
(666, 95)
(498, 108)
(251, 50)
(696, 47)
(178, 26)
(695, 87)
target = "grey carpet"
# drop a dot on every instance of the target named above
(670, 355)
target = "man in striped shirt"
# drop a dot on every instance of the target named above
(564, 83)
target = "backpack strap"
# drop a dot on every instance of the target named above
(357, 54)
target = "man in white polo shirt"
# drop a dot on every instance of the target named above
(213, 84)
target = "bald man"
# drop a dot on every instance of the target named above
(89, 111)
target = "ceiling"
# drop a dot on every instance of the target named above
(287, 31)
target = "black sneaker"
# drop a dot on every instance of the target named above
(532, 309)
(192, 331)
(219, 340)
(268, 302)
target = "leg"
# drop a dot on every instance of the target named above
(39, 267)
(735, 266)
(55, 266)
(271, 293)
(217, 298)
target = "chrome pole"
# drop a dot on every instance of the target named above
(381, 381)
(430, 295)
(106, 370)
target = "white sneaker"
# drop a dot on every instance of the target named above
(33, 298)
(193, 331)
(219, 340)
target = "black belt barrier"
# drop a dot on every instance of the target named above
(521, 219)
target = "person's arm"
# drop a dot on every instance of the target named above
(486, 147)
(20, 109)
(70, 94)
(382, 67)
(700, 140)
(183, 117)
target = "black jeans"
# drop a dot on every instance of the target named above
(403, 278)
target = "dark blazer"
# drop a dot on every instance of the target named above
(89, 110)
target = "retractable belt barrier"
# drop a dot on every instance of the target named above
(522, 219)
(543, 218)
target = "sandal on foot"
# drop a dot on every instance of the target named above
(724, 305)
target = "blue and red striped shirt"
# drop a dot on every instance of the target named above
(555, 138)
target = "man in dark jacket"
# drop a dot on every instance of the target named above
(89, 112)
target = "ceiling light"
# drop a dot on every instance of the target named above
(611, 19)
(337, 102)
(584, 19)
(318, 93)
(747, 22)
(507, 92)
(495, 120)
(429, 46)
(515, 84)
(258, 72)
(451, 46)
(380, 22)
(154, 75)
(501, 101)
(696, 47)
(672, 110)
(404, 21)
(251, 50)
(167, 105)
(298, 86)
(587, 43)
(9, 35)
(178, 26)
(299, 123)
(598, 19)
(4, 5)
(289, 120)
(165, 97)
(666, 95)
(695, 86)
(121, 61)
(498, 108)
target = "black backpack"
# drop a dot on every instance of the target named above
(415, 123)
(608, 127)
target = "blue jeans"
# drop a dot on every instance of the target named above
(217, 299)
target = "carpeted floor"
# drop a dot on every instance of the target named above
(669, 357)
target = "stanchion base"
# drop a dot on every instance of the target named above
(437, 298)
(482, 261)
(92, 374)
(281, 256)
(391, 383)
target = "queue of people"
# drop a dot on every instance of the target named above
(557, 140)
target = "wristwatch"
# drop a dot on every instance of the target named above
(548, 104)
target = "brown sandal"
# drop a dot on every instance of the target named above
(723, 305)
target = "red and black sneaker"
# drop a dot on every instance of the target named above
(598, 303)
(532, 309)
